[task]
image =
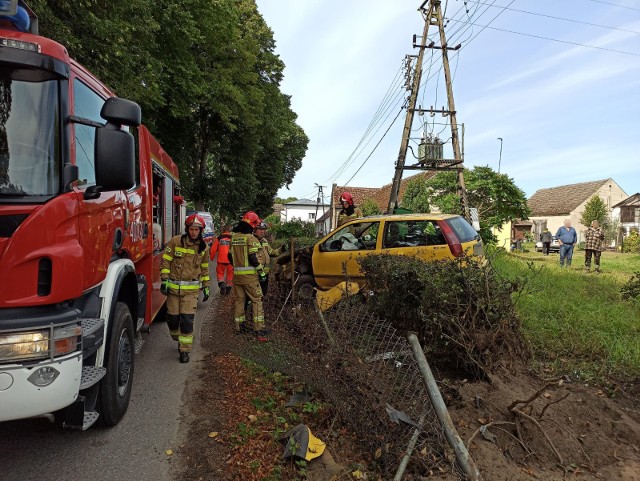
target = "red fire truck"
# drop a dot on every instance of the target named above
(88, 198)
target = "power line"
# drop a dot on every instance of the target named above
(615, 5)
(563, 18)
(376, 146)
(558, 40)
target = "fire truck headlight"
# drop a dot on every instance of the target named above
(43, 376)
(24, 345)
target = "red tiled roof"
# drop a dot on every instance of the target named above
(563, 199)
(379, 195)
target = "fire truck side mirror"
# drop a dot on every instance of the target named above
(121, 112)
(114, 159)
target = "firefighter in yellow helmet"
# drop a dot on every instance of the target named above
(184, 271)
(247, 273)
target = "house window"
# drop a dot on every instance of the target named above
(312, 216)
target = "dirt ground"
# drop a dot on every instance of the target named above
(237, 413)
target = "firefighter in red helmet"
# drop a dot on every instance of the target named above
(247, 273)
(349, 210)
(184, 272)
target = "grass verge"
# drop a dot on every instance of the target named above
(577, 321)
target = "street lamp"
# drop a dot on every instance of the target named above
(500, 159)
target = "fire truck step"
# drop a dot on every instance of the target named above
(139, 343)
(91, 375)
(89, 326)
(140, 323)
(90, 417)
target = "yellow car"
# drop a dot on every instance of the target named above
(431, 237)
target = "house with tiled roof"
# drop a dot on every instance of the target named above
(379, 195)
(551, 206)
(306, 210)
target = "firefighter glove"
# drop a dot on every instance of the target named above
(205, 293)
(164, 287)
(262, 275)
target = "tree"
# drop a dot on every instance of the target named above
(370, 207)
(208, 80)
(495, 195)
(282, 200)
(416, 196)
(595, 209)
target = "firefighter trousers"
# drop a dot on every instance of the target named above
(181, 314)
(253, 292)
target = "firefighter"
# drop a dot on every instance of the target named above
(247, 274)
(224, 269)
(184, 271)
(264, 254)
(349, 210)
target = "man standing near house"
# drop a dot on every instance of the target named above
(546, 239)
(567, 237)
(594, 239)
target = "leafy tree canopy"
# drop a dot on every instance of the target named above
(208, 80)
(595, 209)
(495, 195)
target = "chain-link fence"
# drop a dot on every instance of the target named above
(366, 372)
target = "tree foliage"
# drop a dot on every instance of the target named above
(369, 207)
(208, 80)
(496, 196)
(595, 209)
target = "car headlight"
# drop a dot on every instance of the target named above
(24, 345)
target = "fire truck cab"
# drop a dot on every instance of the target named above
(88, 198)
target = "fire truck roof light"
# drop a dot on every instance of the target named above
(9, 42)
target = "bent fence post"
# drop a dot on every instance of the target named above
(453, 438)
(412, 445)
(325, 326)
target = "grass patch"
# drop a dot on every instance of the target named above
(578, 321)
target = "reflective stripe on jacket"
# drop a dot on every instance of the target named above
(265, 253)
(242, 246)
(184, 265)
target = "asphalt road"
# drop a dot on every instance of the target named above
(134, 449)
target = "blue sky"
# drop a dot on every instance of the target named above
(566, 113)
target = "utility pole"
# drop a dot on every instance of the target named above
(319, 200)
(500, 158)
(433, 16)
(408, 121)
(455, 139)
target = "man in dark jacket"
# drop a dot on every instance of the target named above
(546, 239)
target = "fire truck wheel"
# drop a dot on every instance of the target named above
(115, 389)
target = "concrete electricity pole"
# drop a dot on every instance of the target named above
(408, 121)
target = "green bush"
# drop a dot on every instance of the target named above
(631, 243)
(295, 228)
(631, 289)
(462, 310)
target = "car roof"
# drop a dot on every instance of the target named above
(398, 217)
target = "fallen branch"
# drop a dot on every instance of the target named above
(551, 403)
(526, 402)
(486, 426)
(548, 439)
(524, 446)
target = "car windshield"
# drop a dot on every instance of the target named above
(30, 154)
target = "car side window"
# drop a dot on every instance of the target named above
(412, 234)
(354, 237)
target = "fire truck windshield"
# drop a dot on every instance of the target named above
(30, 151)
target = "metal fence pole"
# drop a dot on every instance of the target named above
(412, 445)
(453, 438)
(325, 326)
(293, 270)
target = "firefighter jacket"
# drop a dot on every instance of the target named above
(244, 253)
(265, 253)
(344, 216)
(185, 264)
(221, 246)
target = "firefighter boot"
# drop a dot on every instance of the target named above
(184, 357)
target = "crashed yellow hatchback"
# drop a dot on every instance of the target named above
(333, 261)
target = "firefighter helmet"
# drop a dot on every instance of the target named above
(262, 225)
(346, 197)
(252, 219)
(194, 220)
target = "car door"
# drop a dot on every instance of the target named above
(335, 258)
(420, 238)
